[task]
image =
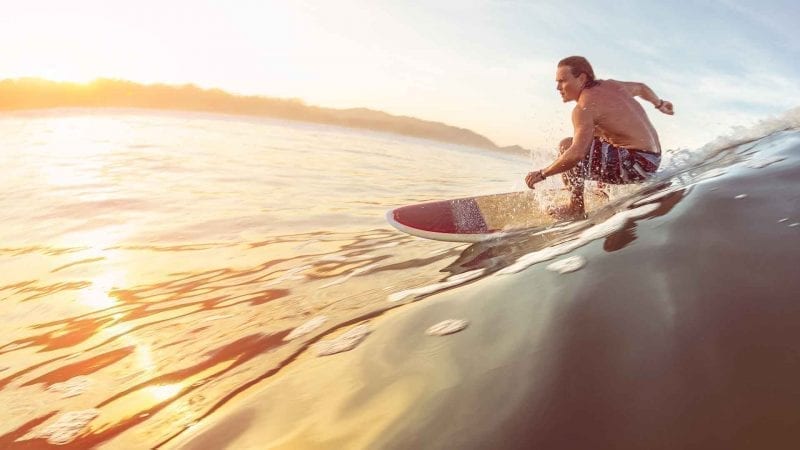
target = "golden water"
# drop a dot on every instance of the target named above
(151, 265)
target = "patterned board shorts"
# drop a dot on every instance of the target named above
(615, 165)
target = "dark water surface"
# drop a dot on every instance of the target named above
(680, 331)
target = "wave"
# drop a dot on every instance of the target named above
(677, 159)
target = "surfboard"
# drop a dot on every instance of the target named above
(471, 219)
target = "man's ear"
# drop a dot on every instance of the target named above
(584, 78)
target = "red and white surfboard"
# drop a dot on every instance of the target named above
(471, 219)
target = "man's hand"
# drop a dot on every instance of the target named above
(533, 178)
(666, 107)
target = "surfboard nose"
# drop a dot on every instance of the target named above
(453, 216)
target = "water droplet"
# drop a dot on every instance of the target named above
(567, 265)
(345, 342)
(445, 327)
(306, 328)
(740, 196)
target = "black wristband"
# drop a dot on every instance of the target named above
(660, 104)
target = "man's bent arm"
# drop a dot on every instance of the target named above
(583, 121)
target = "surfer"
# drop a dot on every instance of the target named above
(613, 142)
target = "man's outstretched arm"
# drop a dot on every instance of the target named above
(642, 90)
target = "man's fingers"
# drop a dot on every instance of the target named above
(529, 180)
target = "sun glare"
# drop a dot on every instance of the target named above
(97, 295)
(162, 392)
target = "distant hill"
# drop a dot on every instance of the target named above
(34, 93)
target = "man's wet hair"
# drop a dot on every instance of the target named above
(578, 65)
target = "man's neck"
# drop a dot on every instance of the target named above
(591, 84)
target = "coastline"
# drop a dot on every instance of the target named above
(31, 94)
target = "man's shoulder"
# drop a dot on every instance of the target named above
(604, 91)
(627, 87)
(611, 85)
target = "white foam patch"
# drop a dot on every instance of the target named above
(601, 230)
(568, 265)
(793, 225)
(616, 222)
(760, 163)
(657, 196)
(740, 196)
(446, 327)
(66, 427)
(72, 387)
(785, 219)
(454, 280)
(546, 254)
(309, 326)
(345, 342)
(559, 228)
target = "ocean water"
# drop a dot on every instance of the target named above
(157, 261)
(158, 268)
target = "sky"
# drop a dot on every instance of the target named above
(485, 65)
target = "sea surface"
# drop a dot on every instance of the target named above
(162, 272)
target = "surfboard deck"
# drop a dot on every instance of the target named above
(472, 219)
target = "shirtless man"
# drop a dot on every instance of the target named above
(614, 141)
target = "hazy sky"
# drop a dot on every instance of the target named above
(486, 65)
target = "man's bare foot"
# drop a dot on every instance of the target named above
(566, 212)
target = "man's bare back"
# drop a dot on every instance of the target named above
(618, 117)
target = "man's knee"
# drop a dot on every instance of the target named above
(564, 145)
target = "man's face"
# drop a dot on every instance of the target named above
(567, 85)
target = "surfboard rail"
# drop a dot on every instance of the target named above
(439, 236)
(470, 219)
